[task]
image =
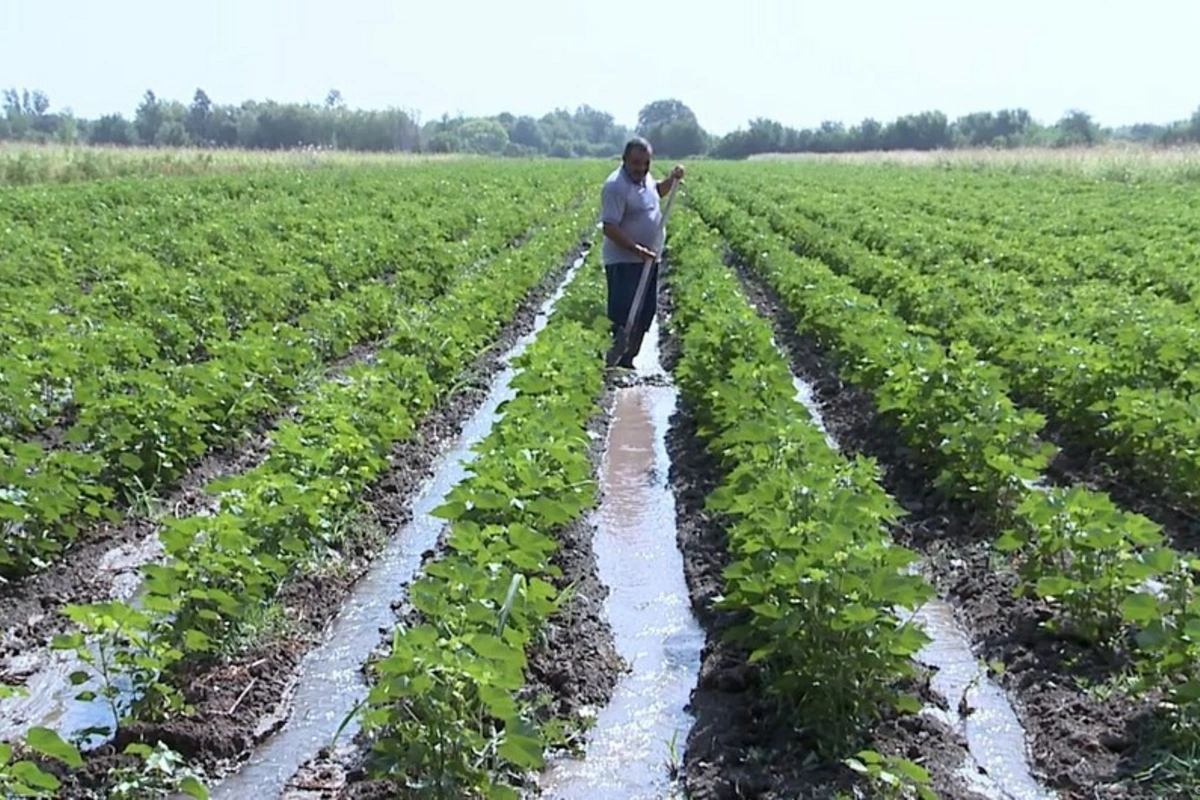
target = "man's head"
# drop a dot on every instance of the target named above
(636, 158)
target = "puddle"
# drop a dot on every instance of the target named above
(330, 681)
(629, 749)
(50, 698)
(998, 767)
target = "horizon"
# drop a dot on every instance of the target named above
(929, 56)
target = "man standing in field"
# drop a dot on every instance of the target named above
(631, 215)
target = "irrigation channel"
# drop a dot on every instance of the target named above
(998, 766)
(636, 738)
(330, 682)
(640, 733)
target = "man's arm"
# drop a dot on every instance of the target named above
(617, 235)
(664, 186)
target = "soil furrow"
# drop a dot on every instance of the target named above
(240, 702)
(741, 746)
(104, 563)
(574, 667)
(1080, 745)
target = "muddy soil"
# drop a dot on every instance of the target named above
(1080, 745)
(241, 702)
(103, 563)
(740, 746)
(574, 668)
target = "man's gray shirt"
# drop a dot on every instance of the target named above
(633, 208)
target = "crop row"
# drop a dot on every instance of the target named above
(290, 514)
(1150, 338)
(811, 566)
(254, 258)
(142, 425)
(1071, 546)
(1145, 236)
(446, 709)
(1112, 395)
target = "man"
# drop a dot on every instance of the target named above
(631, 215)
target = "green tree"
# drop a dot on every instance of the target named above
(672, 129)
(1078, 128)
(483, 136)
(148, 118)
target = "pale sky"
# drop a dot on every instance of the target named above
(796, 61)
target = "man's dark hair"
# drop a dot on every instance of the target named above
(637, 143)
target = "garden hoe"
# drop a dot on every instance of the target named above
(621, 346)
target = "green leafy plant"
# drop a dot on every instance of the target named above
(22, 776)
(447, 713)
(812, 570)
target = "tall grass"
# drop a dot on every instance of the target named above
(29, 163)
(1116, 161)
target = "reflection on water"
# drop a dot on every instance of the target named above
(646, 724)
(330, 682)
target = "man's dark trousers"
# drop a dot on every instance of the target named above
(622, 286)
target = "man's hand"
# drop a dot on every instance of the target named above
(677, 173)
(646, 252)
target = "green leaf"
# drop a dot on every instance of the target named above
(130, 461)
(908, 704)
(520, 745)
(49, 743)
(1050, 586)
(1140, 608)
(28, 773)
(190, 786)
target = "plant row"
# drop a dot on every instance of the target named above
(1144, 237)
(812, 569)
(291, 514)
(150, 293)
(1071, 546)
(448, 714)
(1114, 398)
(1150, 338)
(144, 426)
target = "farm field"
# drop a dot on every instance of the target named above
(313, 483)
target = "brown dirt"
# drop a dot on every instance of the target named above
(740, 745)
(1080, 746)
(239, 703)
(87, 573)
(576, 665)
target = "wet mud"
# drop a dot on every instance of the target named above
(571, 673)
(1081, 744)
(741, 746)
(240, 703)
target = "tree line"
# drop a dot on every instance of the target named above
(669, 124)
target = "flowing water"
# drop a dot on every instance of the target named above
(642, 730)
(998, 766)
(979, 709)
(330, 682)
